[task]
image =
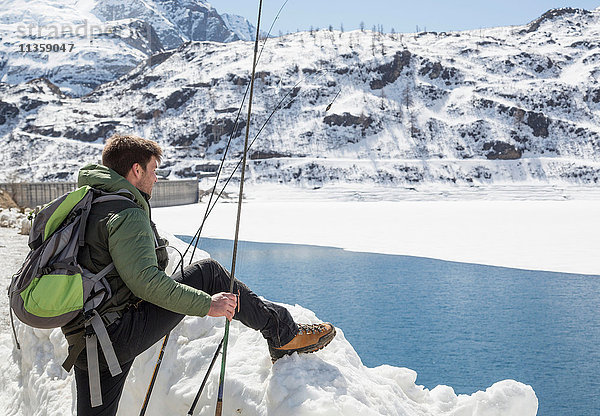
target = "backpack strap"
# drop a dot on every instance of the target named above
(12, 325)
(104, 197)
(91, 348)
(107, 348)
(120, 195)
(76, 340)
(77, 344)
(66, 265)
(113, 197)
(102, 273)
(88, 339)
(96, 332)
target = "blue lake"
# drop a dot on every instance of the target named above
(462, 325)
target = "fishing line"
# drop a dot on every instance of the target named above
(233, 132)
(277, 108)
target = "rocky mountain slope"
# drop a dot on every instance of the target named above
(175, 21)
(506, 104)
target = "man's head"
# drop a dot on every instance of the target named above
(134, 158)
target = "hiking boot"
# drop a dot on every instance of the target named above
(310, 338)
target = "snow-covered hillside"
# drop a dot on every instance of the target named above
(508, 104)
(94, 52)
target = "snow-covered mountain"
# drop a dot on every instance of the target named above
(240, 26)
(175, 21)
(515, 103)
(103, 39)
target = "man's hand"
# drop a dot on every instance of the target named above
(223, 304)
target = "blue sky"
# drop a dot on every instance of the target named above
(403, 16)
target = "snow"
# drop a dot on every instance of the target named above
(527, 227)
(332, 381)
(14, 218)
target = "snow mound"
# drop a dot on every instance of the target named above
(332, 381)
(13, 218)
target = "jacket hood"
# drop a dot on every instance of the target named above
(106, 179)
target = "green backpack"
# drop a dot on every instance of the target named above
(51, 288)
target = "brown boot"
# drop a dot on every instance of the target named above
(310, 338)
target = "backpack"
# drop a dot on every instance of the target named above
(51, 288)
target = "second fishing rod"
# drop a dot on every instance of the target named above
(195, 240)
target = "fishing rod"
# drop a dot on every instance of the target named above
(210, 367)
(196, 238)
(219, 406)
(199, 231)
(332, 101)
(234, 130)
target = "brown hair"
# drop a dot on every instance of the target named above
(121, 152)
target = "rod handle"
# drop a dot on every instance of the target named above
(219, 408)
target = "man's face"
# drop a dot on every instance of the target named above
(148, 177)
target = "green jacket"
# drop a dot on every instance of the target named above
(121, 232)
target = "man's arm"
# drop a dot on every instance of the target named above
(131, 246)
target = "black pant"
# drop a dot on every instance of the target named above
(141, 327)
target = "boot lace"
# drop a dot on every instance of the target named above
(307, 329)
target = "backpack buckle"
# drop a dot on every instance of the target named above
(87, 317)
(45, 270)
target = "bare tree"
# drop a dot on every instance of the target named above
(407, 97)
(373, 45)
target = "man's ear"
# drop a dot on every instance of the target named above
(137, 170)
(134, 173)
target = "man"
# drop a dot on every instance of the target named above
(146, 304)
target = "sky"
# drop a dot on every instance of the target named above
(402, 16)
